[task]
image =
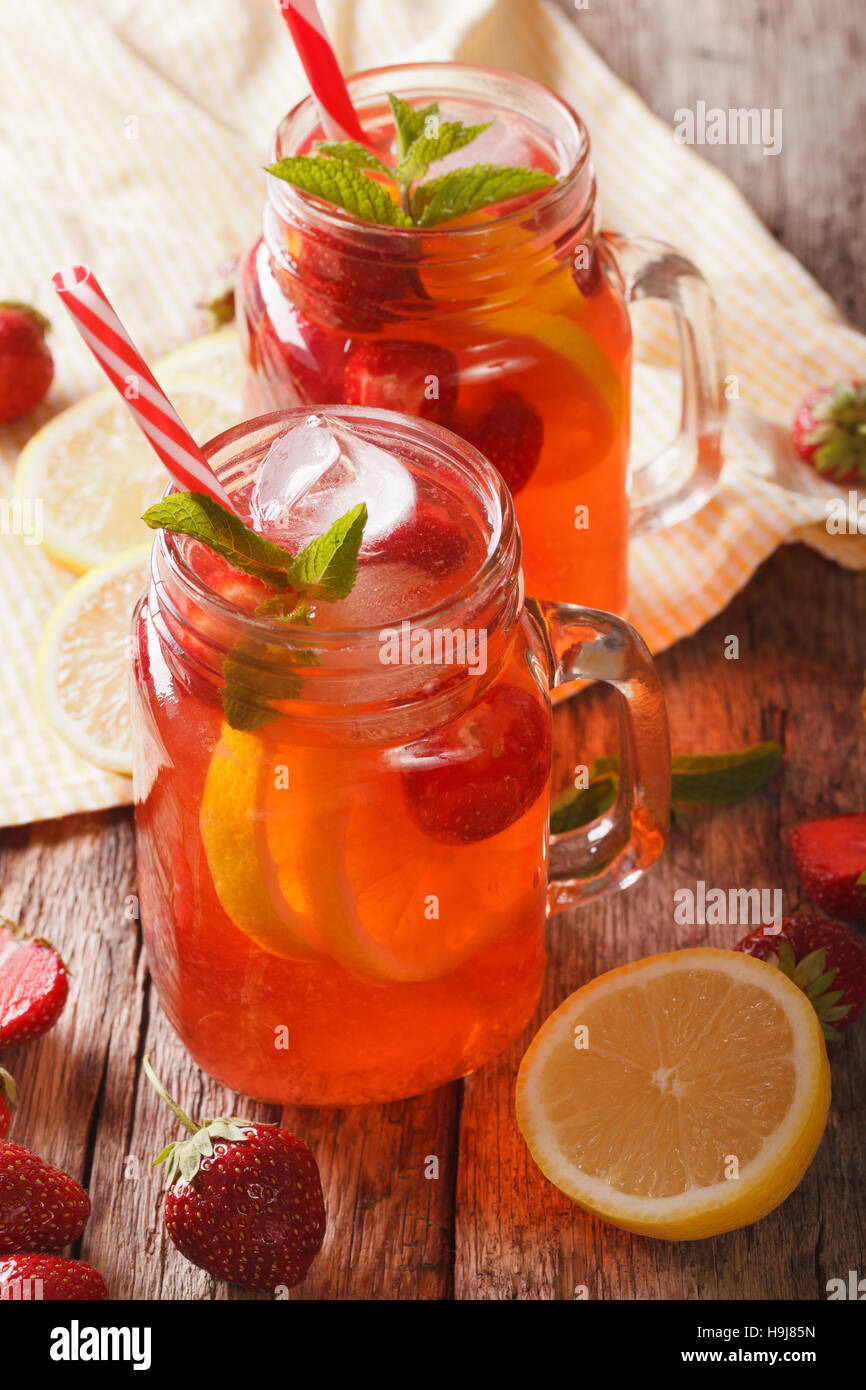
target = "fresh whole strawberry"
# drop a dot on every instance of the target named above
(430, 540)
(827, 961)
(511, 435)
(830, 431)
(8, 1099)
(34, 985)
(478, 774)
(26, 364)
(41, 1208)
(244, 1200)
(51, 1278)
(830, 855)
(405, 375)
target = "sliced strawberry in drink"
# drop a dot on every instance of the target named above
(402, 374)
(511, 436)
(430, 540)
(353, 292)
(284, 342)
(476, 775)
(241, 590)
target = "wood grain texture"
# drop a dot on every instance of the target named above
(804, 57)
(490, 1227)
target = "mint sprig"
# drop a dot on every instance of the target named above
(257, 673)
(196, 515)
(700, 779)
(340, 171)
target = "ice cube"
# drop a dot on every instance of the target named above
(317, 472)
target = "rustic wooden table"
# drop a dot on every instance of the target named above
(491, 1227)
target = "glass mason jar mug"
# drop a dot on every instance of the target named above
(344, 889)
(518, 314)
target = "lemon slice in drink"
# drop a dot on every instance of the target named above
(388, 901)
(83, 663)
(679, 1096)
(233, 832)
(96, 473)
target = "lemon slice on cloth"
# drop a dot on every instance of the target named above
(214, 356)
(95, 473)
(679, 1096)
(83, 664)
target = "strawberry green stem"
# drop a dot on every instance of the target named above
(172, 1104)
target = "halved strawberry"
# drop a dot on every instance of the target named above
(830, 854)
(511, 436)
(827, 961)
(476, 775)
(405, 375)
(34, 985)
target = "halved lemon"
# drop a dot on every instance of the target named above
(234, 834)
(83, 663)
(96, 473)
(679, 1096)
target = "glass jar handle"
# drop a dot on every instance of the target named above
(679, 480)
(586, 644)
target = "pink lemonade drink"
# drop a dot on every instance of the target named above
(508, 324)
(342, 806)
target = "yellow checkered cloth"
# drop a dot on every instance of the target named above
(132, 139)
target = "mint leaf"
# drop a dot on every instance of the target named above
(287, 608)
(466, 190)
(721, 779)
(256, 673)
(328, 566)
(409, 123)
(344, 186)
(717, 779)
(199, 516)
(351, 152)
(426, 149)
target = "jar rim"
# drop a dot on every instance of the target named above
(503, 555)
(546, 202)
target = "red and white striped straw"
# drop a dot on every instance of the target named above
(124, 366)
(339, 117)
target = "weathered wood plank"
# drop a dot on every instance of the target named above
(802, 630)
(802, 56)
